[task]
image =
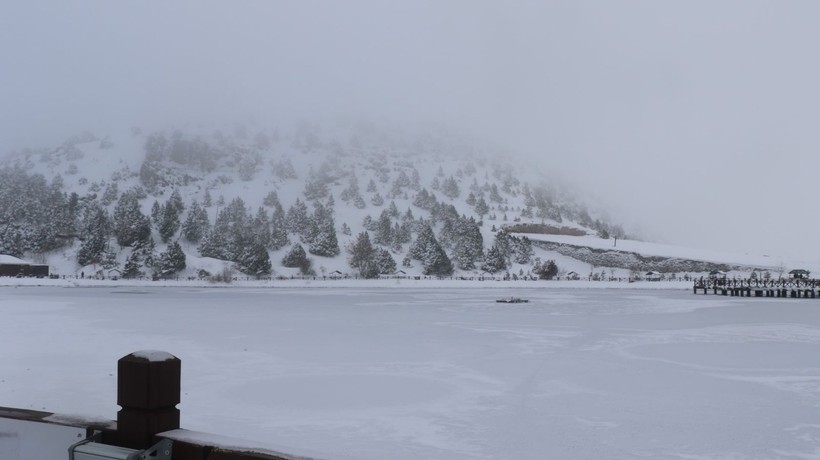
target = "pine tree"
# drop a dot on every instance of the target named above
(322, 236)
(315, 188)
(272, 200)
(469, 246)
(261, 228)
(427, 250)
(296, 257)
(436, 262)
(352, 190)
(297, 220)
(369, 269)
(523, 251)
(96, 228)
(385, 262)
(470, 199)
(214, 244)
(425, 200)
(255, 260)
(321, 220)
(546, 271)
(130, 224)
(230, 233)
(110, 194)
(481, 207)
(494, 261)
(359, 203)
(156, 212)
(176, 201)
(207, 201)
(415, 181)
(383, 230)
(146, 250)
(361, 251)
(450, 188)
(132, 266)
(402, 180)
(424, 240)
(196, 225)
(168, 222)
(172, 260)
(279, 233)
(325, 244)
(109, 259)
(494, 195)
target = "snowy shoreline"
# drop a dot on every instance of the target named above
(375, 283)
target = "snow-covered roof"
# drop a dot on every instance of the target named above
(153, 355)
(6, 259)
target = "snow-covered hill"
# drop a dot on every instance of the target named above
(262, 191)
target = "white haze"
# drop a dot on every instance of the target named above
(695, 121)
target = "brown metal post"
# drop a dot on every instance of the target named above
(148, 388)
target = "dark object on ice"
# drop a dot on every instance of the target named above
(513, 300)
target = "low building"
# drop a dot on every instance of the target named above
(717, 274)
(12, 266)
(398, 275)
(573, 276)
(653, 276)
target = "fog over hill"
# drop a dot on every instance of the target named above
(694, 122)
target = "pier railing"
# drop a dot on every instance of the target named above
(781, 287)
(797, 283)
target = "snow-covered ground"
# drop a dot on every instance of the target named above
(645, 248)
(439, 372)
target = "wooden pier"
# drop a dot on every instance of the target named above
(798, 288)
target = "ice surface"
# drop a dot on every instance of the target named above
(439, 373)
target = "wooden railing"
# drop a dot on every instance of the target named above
(148, 390)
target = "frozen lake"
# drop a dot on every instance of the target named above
(408, 373)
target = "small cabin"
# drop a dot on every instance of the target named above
(717, 275)
(573, 276)
(799, 274)
(652, 276)
(400, 274)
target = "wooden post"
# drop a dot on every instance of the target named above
(148, 388)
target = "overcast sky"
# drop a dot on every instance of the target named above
(695, 120)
